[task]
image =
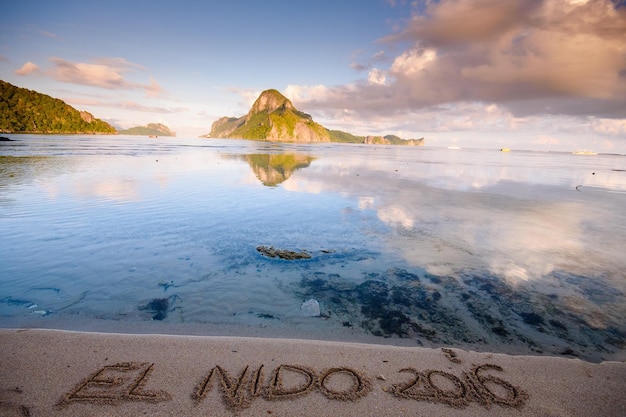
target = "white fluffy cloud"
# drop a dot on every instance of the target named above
(97, 75)
(610, 127)
(107, 73)
(27, 68)
(376, 77)
(525, 57)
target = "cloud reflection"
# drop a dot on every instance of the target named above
(114, 189)
(452, 217)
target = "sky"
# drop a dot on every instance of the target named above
(522, 74)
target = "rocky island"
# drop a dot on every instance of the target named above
(273, 117)
(151, 129)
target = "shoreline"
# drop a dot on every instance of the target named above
(69, 373)
(308, 330)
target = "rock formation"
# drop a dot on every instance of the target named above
(152, 129)
(273, 117)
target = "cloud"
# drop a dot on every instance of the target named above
(48, 34)
(124, 104)
(376, 77)
(106, 73)
(611, 127)
(96, 75)
(532, 57)
(153, 89)
(546, 140)
(4, 58)
(131, 105)
(466, 21)
(27, 69)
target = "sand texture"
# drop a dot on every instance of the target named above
(60, 373)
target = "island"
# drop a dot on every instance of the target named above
(27, 111)
(151, 129)
(273, 117)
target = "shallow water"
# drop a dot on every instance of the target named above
(519, 252)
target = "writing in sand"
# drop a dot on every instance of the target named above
(129, 381)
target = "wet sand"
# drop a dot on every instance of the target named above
(60, 373)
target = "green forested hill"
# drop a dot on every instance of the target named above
(152, 129)
(26, 111)
(273, 117)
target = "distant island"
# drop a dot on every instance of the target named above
(273, 117)
(26, 111)
(152, 129)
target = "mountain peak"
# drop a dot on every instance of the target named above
(270, 101)
(271, 117)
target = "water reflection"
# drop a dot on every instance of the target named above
(539, 269)
(274, 169)
(538, 264)
(473, 249)
(508, 228)
(15, 170)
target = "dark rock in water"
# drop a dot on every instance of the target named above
(282, 254)
(160, 307)
(3, 139)
(372, 292)
(395, 322)
(533, 319)
(557, 325)
(472, 306)
(401, 275)
(158, 304)
(500, 330)
(402, 297)
(568, 352)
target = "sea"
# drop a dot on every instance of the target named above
(520, 252)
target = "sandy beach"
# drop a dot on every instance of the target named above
(61, 373)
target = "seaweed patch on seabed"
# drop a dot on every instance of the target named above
(475, 308)
(161, 307)
(289, 255)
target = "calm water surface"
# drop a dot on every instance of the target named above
(520, 252)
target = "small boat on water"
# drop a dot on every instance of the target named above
(454, 147)
(584, 152)
(505, 150)
(153, 136)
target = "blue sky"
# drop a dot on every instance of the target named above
(525, 74)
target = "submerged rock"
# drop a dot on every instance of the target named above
(271, 252)
(160, 307)
(311, 308)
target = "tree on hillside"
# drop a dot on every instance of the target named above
(26, 111)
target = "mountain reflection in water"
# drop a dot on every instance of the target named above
(273, 169)
(518, 252)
